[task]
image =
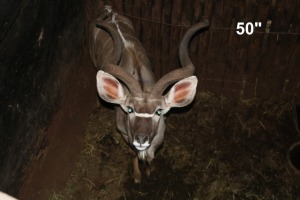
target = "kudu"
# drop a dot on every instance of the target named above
(125, 78)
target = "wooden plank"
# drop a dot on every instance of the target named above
(135, 10)
(155, 39)
(146, 28)
(175, 34)
(274, 70)
(146, 25)
(117, 6)
(165, 33)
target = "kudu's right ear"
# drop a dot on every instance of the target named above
(109, 88)
(182, 93)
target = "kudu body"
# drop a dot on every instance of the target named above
(125, 78)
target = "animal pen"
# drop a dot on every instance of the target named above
(239, 139)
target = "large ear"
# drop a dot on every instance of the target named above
(109, 88)
(182, 93)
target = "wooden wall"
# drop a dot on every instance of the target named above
(258, 65)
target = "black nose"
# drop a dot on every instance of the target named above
(141, 138)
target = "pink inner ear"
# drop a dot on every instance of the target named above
(111, 88)
(181, 92)
(180, 96)
(182, 86)
(111, 82)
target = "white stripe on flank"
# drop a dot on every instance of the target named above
(126, 43)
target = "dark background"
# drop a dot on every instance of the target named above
(33, 75)
(43, 52)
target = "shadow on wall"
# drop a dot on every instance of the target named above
(38, 42)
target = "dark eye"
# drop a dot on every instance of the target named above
(158, 112)
(129, 109)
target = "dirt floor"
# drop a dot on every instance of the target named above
(218, 148)
(60, 144)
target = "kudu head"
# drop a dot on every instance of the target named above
(144, 108)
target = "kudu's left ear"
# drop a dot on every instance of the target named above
(109, 88)
(182, 93)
